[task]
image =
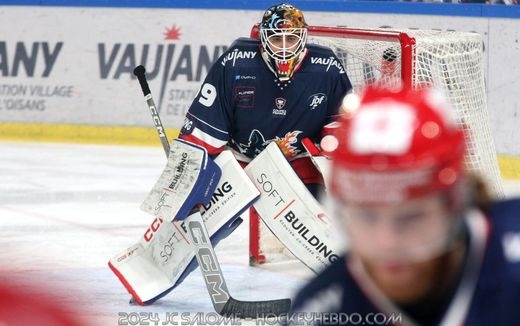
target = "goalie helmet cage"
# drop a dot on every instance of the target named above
(450, 61)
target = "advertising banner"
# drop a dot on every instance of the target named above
(78, 69)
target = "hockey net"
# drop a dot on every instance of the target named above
(450, 61)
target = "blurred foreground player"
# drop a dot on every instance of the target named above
(23, 304)
(425, 245)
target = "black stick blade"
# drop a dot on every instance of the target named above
(255, 309)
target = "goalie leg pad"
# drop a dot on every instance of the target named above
(155, 265)
(291, 212)
(222, 233)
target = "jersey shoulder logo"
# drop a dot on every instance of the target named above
(236, 54)
(328, 63)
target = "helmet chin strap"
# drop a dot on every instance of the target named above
(283, 70)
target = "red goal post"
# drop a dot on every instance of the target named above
(450, 61)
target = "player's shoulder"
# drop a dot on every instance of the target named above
(505, 214)
(499, 275)
(503, 245)
(505, 205)
(328, 283)
(242, 52)
(322, 57)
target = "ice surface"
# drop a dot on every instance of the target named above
(66, 209)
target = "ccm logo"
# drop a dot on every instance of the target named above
(208, 263)
(148, 235)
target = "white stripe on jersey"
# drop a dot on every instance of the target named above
(460, 304)
(207, 124)
(208, 139)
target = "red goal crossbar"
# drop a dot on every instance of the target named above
(406, 42)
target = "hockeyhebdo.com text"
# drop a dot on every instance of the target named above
(213, 318)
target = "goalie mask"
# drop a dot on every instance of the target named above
(283, 34)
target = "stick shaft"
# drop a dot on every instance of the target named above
(139, 72)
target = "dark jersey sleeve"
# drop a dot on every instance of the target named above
(208, 120)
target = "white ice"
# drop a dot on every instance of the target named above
(66, 209)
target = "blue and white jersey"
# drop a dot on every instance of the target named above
(487, 291)
(242, 105)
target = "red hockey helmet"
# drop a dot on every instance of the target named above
(397, 145)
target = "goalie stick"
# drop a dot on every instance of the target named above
(223, 303)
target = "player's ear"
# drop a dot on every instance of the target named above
(478, 193)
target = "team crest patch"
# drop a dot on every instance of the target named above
(280, 103)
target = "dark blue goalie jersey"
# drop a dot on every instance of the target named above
(242, 105)
(487, 292)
